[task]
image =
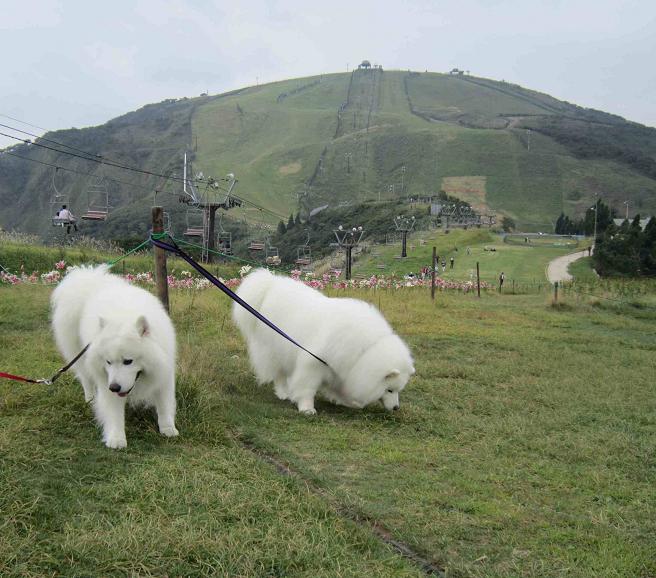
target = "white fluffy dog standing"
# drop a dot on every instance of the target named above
(367, 361)
(131, 358)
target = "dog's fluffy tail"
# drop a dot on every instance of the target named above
(253, 290)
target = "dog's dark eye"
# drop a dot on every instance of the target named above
(109, 362)
(390, 391)
(127, 361)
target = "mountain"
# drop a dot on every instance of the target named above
(339, 138)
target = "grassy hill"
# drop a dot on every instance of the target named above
(517, 451)
(341, 138)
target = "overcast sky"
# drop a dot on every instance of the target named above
(78, 63)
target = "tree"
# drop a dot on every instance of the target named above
(290, 222)
(507, 224)
(281, 228)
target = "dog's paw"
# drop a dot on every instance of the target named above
(116, 442)
(169, 432)
(310, 411)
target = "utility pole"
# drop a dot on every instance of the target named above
(404, 225)
(433, 267)
(348, 238)
(347, 156)
(626, 203)
(528, 139)
(161, 277)
(402, 180)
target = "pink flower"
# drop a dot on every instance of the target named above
(60, 265)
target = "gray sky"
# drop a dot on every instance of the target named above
(78, 63)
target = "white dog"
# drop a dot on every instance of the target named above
(131, 358)
(367, 361)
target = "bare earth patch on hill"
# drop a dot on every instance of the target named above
(290, 169)
(468, 188)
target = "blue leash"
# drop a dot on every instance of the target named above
(173, 248)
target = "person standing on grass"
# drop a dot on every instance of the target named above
(443, 265)
(468, 250)
(452, 261)
(502, 278)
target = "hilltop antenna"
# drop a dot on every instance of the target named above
(348, 238)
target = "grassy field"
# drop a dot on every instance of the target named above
(524, 264)
(524, 447)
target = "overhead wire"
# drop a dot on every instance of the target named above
(99, 159)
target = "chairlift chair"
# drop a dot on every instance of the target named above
(303, 255)
(57, 200)
(225, 242)
(256, 245)
(195, 219)
(97, 201)
(272, 256)
(224, 238)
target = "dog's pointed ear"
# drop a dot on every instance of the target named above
(102, 322)
(392, 374)
(142, 326)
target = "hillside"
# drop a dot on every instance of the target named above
(341, 138)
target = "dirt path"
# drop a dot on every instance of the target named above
(557, 269)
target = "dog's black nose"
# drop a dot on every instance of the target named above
(396, 407)
(115, 387)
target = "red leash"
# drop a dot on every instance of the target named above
(19, 378)
(53, 378)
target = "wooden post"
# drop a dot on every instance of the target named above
(556, 292)
(404, 243)
(478, 279)
(513, 286)
(433, 273)
(348, 261)
(160, 260)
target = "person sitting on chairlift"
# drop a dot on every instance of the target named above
(67, 218)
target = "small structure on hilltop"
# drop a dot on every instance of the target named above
(364, 65)
(456, 71)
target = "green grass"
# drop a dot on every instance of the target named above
(524, 447)
(582, 270)
(524, 264)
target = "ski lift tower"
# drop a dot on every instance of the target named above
(404, 225)
(348, 238)
(209, 195)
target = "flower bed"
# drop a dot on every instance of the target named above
(186, 280)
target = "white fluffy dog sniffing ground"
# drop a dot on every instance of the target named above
(367, 361)
(131, 359)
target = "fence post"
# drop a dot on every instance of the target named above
(433, 274)
(478, 279)
(555, 292)
(160, 260)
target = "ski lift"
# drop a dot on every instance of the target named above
(97, 201)
(272, 255)
(256, 245)
(304, 253)
(166, 217)
(224, 238)
(58, 201)
(195, 219)
(225, 242)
